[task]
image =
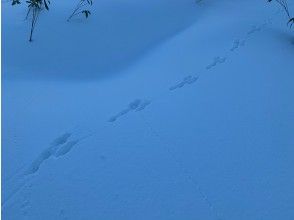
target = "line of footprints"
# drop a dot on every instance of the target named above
(134, 106)
(59, 147)
(139, 104)
(64, 143)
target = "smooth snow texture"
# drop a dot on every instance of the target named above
(166, 109)
(118, 33)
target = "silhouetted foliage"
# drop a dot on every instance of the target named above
(15, 2)
(34, 9)
(79, 9)
(284, 5)
(36, 6)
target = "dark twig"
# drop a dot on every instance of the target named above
(284, 5)
(79, 9)
(34, 9)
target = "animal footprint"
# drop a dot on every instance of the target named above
(136, 105)
(254, 29)
(64, 149)
(216, 61)
(61, 140)
(143, 105)
(237, 44)
(186, 81)
(59, 147)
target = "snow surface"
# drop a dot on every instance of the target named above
(158, 109)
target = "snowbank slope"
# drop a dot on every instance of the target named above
(198, 127)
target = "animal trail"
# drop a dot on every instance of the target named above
(35, 165)
(216, 61)
(59, 147)
(186, 81)
(64, 149)
(236, 44)
(257, 28)
(143, 105)
(61, 140)
(136, 105)
(254, 29)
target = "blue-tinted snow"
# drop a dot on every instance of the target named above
(149, 110)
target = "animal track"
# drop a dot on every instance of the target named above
(59, 147)
(257, 28)
(35, 165)
(216, 61)
(254, 29)
(64, 149)
(143, 105)
(186, 81)
(61, 140)
(236, 44)
(136, 105)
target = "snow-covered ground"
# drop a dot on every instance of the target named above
(158, 109)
